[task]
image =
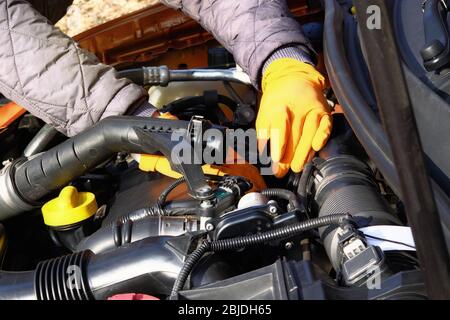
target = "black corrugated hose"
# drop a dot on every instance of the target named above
(251, 240)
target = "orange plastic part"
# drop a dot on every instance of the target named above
(9, 113)
(156, 163)
(159, 35)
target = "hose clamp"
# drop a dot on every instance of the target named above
(11, 204)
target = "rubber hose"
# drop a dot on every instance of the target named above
(283, 194)
(53, 169)
(302, 185)
(40, 141)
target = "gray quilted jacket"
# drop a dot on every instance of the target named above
(47, 73)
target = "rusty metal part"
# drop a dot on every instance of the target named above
(161, 35)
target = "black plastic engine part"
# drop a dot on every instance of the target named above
(291, 280)
(70, 236)
(245, 221)
(364, 267)
(206, 105)
(251, 240)
(165, 219)
(249, 221)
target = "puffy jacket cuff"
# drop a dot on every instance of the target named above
(288, 52)
(143, 109)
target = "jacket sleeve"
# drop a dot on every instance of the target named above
(251, 30)
(48, 74)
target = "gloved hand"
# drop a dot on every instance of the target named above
(293, 115)
(167, 115)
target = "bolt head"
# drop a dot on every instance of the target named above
(209, 227)
(288, 245)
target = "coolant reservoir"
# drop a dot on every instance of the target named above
(161, 96)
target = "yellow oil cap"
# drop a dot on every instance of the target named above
(69, 207)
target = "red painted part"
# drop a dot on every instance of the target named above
(132, 296)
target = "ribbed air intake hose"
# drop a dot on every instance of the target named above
(150, 265)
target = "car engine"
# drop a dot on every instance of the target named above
(186, 209)
(116, 210)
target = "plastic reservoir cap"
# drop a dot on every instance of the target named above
(70, 207)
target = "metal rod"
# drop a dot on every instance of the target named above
(398, 119)
(231, 75)
(162, 75)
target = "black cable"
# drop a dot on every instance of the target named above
(163, 196)
(162, 199)
(251, 240)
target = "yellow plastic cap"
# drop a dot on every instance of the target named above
(69, 207)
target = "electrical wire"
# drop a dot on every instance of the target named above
(163, 196)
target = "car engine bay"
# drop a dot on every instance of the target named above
(117, 210)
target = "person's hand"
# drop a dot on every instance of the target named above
(293, 115)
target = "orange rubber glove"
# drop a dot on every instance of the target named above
(293, 115)
(167, 115)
